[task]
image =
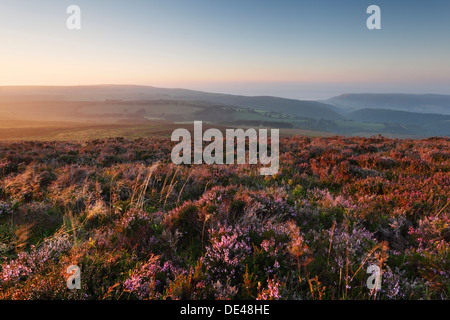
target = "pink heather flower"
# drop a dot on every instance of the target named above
(272, 291)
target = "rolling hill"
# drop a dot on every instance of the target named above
(420, 103)
(129, 105)
(308, 109)
(434, 124)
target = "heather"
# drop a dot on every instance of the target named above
(140, 227)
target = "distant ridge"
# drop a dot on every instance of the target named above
(421, 103)
(308, 109)
(435, 123)
(403, 115)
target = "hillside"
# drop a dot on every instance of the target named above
(433, 123)
(309, 109)
(421, 103)
(129, 106)
(140, 227)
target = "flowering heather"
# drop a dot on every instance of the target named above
(142, 282)
(28, 263)
(227, 252)
(5, 208)
(140, 227)
(272, 291)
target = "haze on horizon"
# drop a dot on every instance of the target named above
(294, 49)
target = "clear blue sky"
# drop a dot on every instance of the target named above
(300, 49)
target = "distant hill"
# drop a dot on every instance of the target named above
(421, 103)
(307, 109)
(400, 115)
(431, 123)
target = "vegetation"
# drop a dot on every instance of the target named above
(61, 109)
(140, 227)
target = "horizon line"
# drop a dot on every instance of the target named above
(212, 92)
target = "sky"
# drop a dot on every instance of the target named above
(295, 49)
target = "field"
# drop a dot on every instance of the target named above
(77, 131)
(140, 227)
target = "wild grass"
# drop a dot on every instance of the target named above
(140, 227)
